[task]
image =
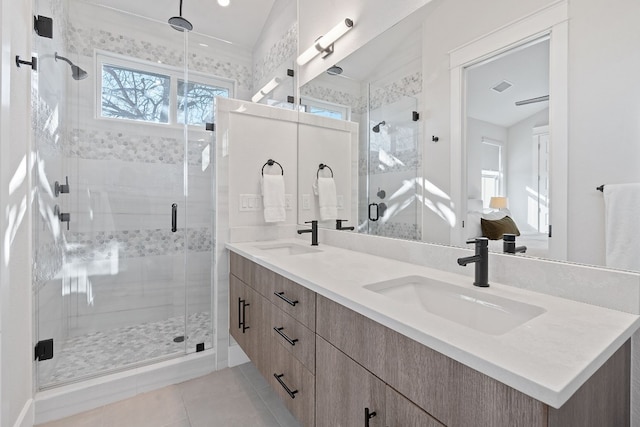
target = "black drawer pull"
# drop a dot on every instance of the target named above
(291, 394)
(283, 335)
(285, 299)
(243, 323)
(367, 416)
(240, 300)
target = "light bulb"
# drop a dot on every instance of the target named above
(223, 3)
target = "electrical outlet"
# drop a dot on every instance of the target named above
(306, 202)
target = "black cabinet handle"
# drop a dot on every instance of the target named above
(174, 218)
(367, 416)
(285, 299)
(292, 394)
(283, 335)
(242, 314)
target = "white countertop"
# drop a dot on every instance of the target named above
(548, 358)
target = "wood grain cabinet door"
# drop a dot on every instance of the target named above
(248, 321)
(401, 412)
(347, 395)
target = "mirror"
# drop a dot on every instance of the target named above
(507, 146)
(378, 87)
(327, 165)
(588, 146)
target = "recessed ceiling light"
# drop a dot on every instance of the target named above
(223, 3)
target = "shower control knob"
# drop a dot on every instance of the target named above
(62, 216)
(61, 188)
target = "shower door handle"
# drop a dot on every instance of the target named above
(174, 218)
(377, 212)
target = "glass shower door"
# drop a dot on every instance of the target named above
(110, 275)
(394, 165)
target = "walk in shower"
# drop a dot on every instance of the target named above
(394, 161)
(124, 193)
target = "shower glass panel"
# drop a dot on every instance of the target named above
(113, 287)
(393, 165)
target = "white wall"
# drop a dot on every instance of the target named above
(16, 333)
(604, 107)
(520, 163)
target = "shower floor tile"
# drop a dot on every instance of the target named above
(107, 351)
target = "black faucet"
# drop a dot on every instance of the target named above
(509, 244)
(481, 259)
(339, 225)
(313, 230)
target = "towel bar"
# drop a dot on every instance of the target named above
(600, 188)
(322, 166)
(270, 162)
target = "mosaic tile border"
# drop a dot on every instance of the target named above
(118, 145)
(101, 245)
(84, 41)
(280, 52)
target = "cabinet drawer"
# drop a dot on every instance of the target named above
(357, 336)
(296, 338)
(241, 267)
(263, 280)
(294, 384)
(295, 300)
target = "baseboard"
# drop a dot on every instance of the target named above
(237, 356)
(26, 417)
(72, 399)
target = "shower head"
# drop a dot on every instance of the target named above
(334, 70)
(76, 72)
(179, 23)
(376, 128)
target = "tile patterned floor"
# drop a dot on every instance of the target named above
(231, 397)
(102, 352)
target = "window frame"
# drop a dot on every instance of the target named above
(345, 110)
(174, 73)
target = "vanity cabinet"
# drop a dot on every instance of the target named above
(349, 395)
(281, 337)
(457, 395)
(332, 366)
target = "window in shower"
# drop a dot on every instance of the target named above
(132, 89)
(326, 109)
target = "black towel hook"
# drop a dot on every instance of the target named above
(322, 166)
(271, 162)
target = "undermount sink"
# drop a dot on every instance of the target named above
(470, 307)
(287, 249)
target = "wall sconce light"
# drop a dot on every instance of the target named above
(266, 89)
(325, 43)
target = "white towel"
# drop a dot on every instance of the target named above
(273, 198)
(327, 198)
(622, 228)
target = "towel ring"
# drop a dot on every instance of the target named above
(270, 162)
(322, 166)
